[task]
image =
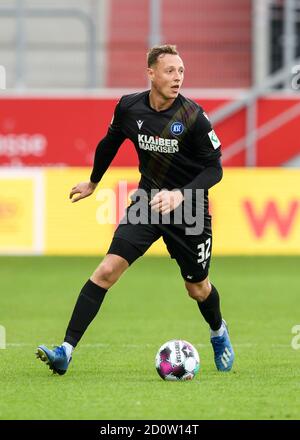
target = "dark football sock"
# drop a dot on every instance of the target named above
(85, 310)
(210, 309)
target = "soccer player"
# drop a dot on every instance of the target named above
(179, 154)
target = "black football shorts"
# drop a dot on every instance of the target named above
(191, 252)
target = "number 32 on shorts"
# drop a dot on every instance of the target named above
(204, 251)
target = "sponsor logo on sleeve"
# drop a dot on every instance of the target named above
(214, 139)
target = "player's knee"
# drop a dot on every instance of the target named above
(199, 291)
(105, 275)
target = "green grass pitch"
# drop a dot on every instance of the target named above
(112, 375)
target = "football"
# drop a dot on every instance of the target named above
(177, 360)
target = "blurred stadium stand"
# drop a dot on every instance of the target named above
(213, 37)
(84, 43)
(53, 44)
(277, 33)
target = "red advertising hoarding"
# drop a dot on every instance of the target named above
(65, 131)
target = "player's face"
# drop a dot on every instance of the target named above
(166, 75)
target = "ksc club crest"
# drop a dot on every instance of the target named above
(177, 128)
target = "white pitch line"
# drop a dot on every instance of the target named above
(102, 345)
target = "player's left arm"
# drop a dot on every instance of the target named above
(208, 151)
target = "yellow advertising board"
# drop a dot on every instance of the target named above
(255, 211)
(74, 228)
(21, 211)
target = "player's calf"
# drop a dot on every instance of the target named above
(199, 291)
(109, 271)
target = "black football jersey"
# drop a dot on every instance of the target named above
(174, 146)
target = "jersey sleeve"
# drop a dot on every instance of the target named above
(115, 127)
(206, 142)
(108, 146)
(207, 149)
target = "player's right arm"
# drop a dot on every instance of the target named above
(104, 154)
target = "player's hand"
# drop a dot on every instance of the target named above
(84, 189)
(166, 201)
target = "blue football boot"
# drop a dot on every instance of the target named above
(224, 354)
(57, 358)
